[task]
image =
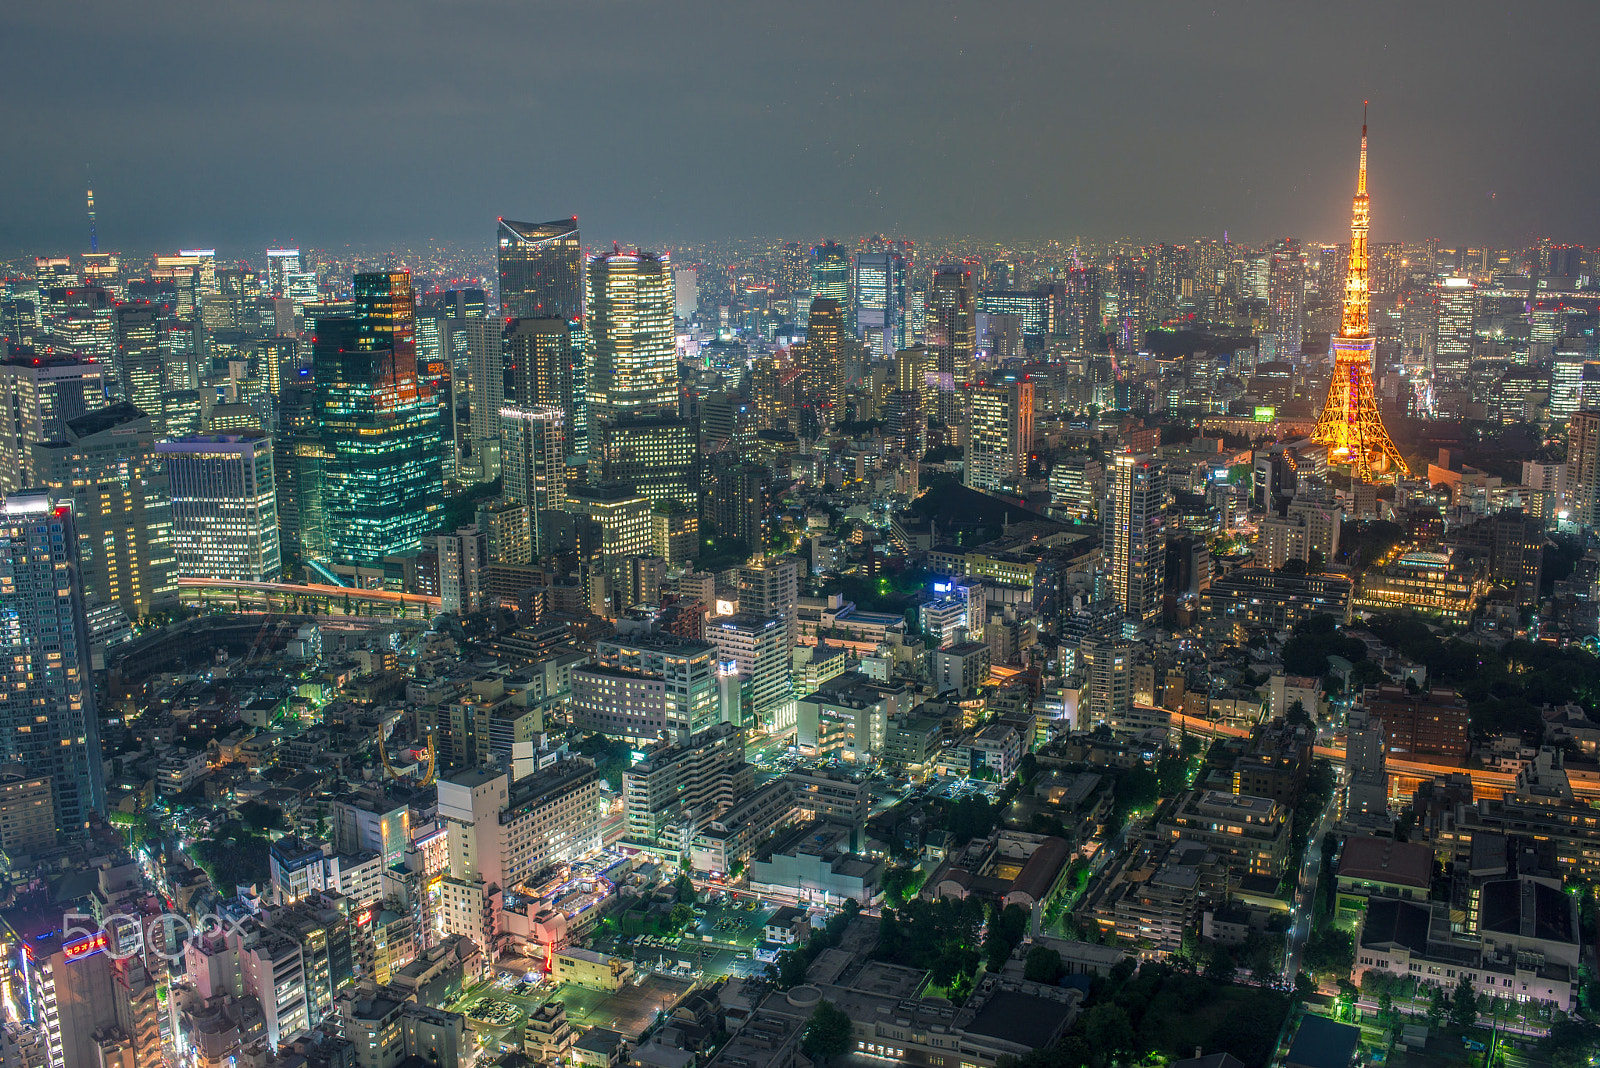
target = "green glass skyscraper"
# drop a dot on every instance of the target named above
(378, 429)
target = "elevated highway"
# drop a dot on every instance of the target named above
(294, 598)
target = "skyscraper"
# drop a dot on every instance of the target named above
(48, 720)
(1074, 308)
(379, 432)
(634, 370)
(486, 379)
(38, 394)
(1286, 297)
(282, 265)
(830, 273)
(541, 270)
(824, 358)
(1583, 467)
(1000, 437)
(794, 277)
(106, 468)
(224, 506)
(533, 462)
(1134, 542)
(953, 321)
(1453, 331)
(659, 457)
(138, 336)
(1350, 424)
(537, 355)
(880, 301)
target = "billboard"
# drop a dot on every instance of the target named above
(1266, 415)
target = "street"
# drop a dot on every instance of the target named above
(1305, 894)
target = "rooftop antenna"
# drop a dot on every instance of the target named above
(94, 239)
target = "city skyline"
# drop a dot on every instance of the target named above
(1154, 125)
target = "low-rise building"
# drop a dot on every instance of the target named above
(1251, 832)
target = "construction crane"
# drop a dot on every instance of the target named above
(427, 776)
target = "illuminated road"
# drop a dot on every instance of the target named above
(1485, 783)
(333, 598)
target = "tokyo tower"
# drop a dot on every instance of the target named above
(1350, 424)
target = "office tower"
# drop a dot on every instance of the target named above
(486, 392)
(541, 270)
(282, 265)
(952, 321)
(823, 358)
(1000, 438)
(537, 355)
(902, 422)
(830, 273)
(685, 292)
(657, 456)
(1583, 467)
(674, 681)
(379, 433)
(880, 301)
(1286, 297)
(533, 463)
(1030, 308)
(1134, 544)
(38, 395)
(757, 649)
(224, 506)
(1454, 306)
(1350, 424)
(675, 530)
(180, 353)
(634, 369)
(139, 360)
(19, 321)
(621, 518)
(47, 706)
(105, 466)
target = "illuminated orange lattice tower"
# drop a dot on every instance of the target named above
(1350, 424)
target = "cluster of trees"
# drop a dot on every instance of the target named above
(1163, 1010)
(790, 968)
(940, 937)
(901, 885)
(611, 757)
(827, 1034)
(237, 856)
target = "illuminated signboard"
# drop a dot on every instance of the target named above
(1266, 415)
(941, 587)
(85, 947)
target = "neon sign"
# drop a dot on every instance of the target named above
(86, 947)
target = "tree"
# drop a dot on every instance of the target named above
(1108, 1029)
(1297, 715)
(1042, 965)
(1438, 1006)
(1304, 986)
(1006, 928)
(828, 1033)
(1463, 1005)
(1570, 1043)
(1220, 966)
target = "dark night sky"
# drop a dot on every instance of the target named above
(396, 121)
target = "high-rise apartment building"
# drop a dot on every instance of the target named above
(634, 369)
(823, 358)
(1000, 438)
(668, 795)
(1286, 297)
(47, 705)
(1074, 308)
(38, 395)
(224, 506)
(1107, 694)
(1134, 545)
(533, 465)
(485, 360)
(106, 467)
(1583, 467)
(381, 472)
(770, 587)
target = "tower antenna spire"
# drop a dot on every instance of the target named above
(94, 239)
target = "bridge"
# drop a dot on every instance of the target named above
(296, 599)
